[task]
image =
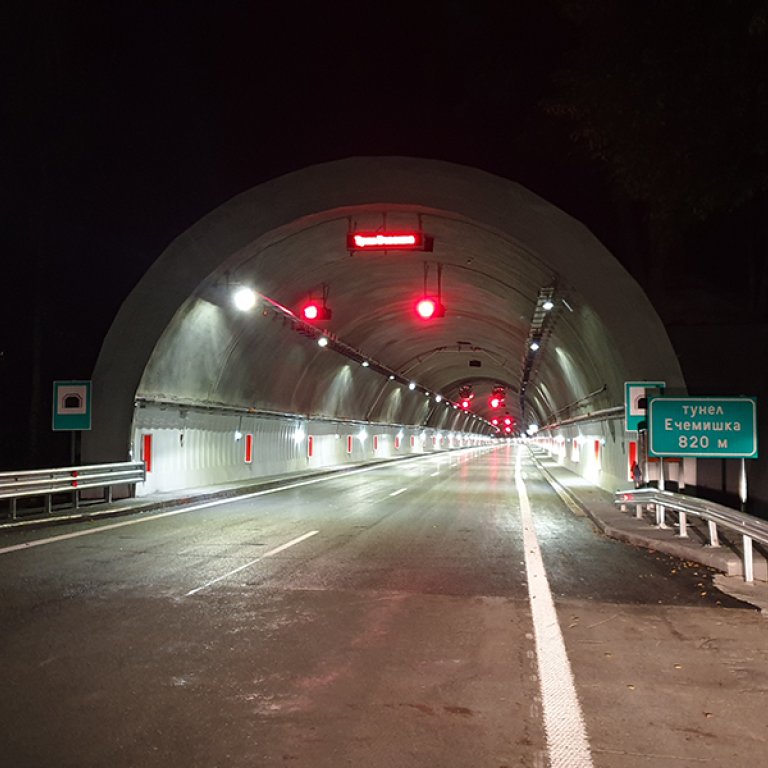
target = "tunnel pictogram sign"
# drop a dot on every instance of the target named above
(636, 394)
(71, 405)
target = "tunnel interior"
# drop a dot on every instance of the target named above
(536, 311)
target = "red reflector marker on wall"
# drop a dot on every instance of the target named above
(146, 451)
(248, 452)
(631, 458)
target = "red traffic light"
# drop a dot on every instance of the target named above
(315, 310)
(428, 307)
(497, 397)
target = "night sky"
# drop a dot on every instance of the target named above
(127, 122)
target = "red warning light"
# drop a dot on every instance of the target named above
(428, 307)
(465, 402)
(495, 422)
(389, 241)
(314, 310)
(496, 399)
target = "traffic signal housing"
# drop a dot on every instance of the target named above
(465, 396)
(497, 398)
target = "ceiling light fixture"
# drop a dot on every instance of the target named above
(244, 298)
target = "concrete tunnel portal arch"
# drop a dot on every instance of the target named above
(181, 362)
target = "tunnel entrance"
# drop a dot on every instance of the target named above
(528, 309)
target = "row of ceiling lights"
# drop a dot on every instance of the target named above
(245, 298)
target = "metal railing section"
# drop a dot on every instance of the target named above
(45, 483)
(750, 528)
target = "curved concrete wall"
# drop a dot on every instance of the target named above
(178, 340)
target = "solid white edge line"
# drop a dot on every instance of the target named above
(202, 505)
(271, 552)
(567, 741)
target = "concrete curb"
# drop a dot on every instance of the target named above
(626, 528)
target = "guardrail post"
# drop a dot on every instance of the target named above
(13, 509)
(638, 511)
(75, 497)
(661, 516)
(714, 540)
(683, 520)
(48, 503)
(749, 573)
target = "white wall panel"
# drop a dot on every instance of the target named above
(194, 448)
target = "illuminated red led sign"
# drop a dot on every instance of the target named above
(389, 241)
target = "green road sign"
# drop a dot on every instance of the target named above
(706, 427)
(71, 405)
(635, 394)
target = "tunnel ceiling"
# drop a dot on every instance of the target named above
(499, 251)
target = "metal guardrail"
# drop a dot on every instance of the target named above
(46, 483)
(716, 515)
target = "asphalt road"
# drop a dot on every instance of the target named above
(392, 616)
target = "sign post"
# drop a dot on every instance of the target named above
(705, 427)
(636, 394)
(71, 409)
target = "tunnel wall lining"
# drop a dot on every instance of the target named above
(195, 448)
